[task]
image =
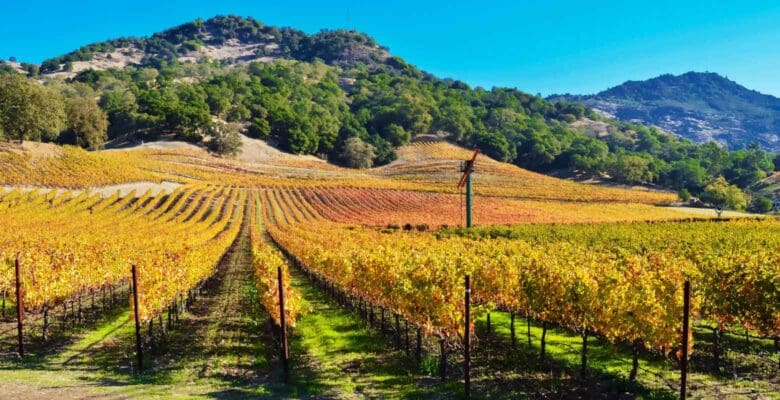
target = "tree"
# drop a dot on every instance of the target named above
(31, 69)
(28, 110)
(259, 128)
(492, 144)
(748, 166)
(454, 118)
(587, 154)
(121, 107)
(357, 153)
(630, 169)
(87, 122)
(7, 69)
(684, 194)
(225, 139)
(396, 135)
(687, 174)
(761, 204)
(724, 196)
(50, 66)
(238, 113)
(713, 157)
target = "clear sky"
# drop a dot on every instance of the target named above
(538, 46)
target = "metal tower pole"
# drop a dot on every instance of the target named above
(468, 201)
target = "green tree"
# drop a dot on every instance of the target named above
(238, 113)
(454, 118)
(259, 128)
(748, 166)
(713, 157)
(684, 194)
(687, 174)
(761, 204)
(357, 153)
(587, 154)
(396, 135)
(31, 69)
(539, 150)
(724, 196)
(647, 141)
(121, 107)
(224, 139)
(28, 110)
(87, 122)
(630, 169)
(492, 144)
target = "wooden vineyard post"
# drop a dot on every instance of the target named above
(418, 352)
(283, 321)
(406, 336)
(467, 340)
(777, 349)
(512, 329)
(442, 359)
(685, 327)
(19, 307)
(138, 350)
(584, 354)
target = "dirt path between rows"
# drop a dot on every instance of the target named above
(218, 336)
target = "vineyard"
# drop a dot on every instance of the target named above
(380, 207)
(292, 248)
(60, 243)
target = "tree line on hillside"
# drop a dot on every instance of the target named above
(351, 111)
(30, 111)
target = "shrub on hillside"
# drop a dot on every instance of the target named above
(724, 196)
(224, 139)
(761, 204)
(357, 153)
(87, 123)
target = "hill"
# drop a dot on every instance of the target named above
(701, 107)
(229, 39)
(418, 188)
(335, 95)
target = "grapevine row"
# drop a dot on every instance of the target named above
(69, 245)
(266, 261)
(623, 293)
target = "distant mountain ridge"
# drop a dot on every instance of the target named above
(701, 107)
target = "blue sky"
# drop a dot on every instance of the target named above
(538, 46)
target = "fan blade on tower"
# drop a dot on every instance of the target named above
(468, 169)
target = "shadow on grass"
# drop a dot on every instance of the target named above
(348, 356)
(505, 372)
(70, 344)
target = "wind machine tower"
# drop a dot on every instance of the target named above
(467, 167)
